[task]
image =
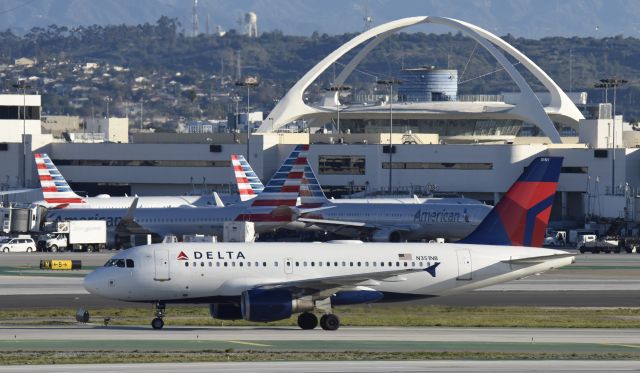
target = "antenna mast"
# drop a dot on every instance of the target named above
(194, 20)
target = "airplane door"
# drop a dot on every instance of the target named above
(464, 264)
(288, 266)
(162, 265)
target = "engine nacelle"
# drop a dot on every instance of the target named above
(347, 297)
(225, 311)
(387, 235)
(271, 305)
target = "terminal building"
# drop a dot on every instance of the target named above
(441, 142)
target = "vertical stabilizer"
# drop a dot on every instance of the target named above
(520, 218)
(55, 188)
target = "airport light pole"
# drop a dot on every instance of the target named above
(338, 88)
(108, 99)
(250, 81)
(613, 83)
(390, 83)
(22, 84)
(236, 98)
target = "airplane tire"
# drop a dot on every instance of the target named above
(157, 323)
(307, 321)
(330, 322)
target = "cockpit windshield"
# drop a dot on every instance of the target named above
(120, 263)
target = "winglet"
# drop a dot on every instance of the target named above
(132, 210)
(432, 269)
(218, 200)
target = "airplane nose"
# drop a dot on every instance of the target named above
(91, 282)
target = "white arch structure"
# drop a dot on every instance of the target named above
(529, 108)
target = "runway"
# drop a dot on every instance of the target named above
(351, 334)
(344, 366)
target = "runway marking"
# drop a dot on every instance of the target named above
(249, 343)
(622, 345)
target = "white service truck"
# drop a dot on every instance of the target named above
(75, 235)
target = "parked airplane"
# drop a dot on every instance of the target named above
(58, 194)
(384, 220)
(266, 282)
(272, 209)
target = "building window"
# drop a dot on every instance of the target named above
(574, 170)
(341, 164)
(16, 112)
(143, 163)
(438, 166)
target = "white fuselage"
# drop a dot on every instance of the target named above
(107, 202)
(203, 272)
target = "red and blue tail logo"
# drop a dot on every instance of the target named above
(522, 215)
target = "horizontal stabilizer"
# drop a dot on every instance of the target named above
(538, 259)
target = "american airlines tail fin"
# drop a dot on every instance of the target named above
(520, 218)
(284, 187)
(311, 194)
(249, 184)
(55, 188)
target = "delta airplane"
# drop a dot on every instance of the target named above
(389, 220)
(266, 282)
(58, 194)
(270, 210)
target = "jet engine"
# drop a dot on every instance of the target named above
(225, 311)
(387, 235)
(271, 305)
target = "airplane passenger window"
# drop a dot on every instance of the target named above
(304, 263)
(275, 264)
(350, 264)
(288, 264)
(335, 264)
(217, 264)
(233, 264)
(240, 264)
(390, 264)
(201, 264)
(129, 263)
(406, 264)
(225, 264)
(186, 264)
(381, 264)
(257, 264)
(313, 264)
(366, 264)
(210, 264)
(413, 264)
(420, 264)
(264, 264)
(297, 264)
(359, 264)
(248, 264)
(344, 264)
(397, 264)
(328, 264)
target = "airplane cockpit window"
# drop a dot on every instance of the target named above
(120, 263)
(130, 263)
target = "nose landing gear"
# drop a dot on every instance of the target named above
(158, 323)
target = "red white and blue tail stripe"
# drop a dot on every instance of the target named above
(522, 215)
(275, 202)
(55, 188)
(249, 184)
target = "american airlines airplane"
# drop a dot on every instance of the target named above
(385, 220)
(58, 194)
(270, 210)
(266, 282)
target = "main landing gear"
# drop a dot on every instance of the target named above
(158, 323)
(308, 321)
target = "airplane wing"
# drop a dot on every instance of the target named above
(335, 283)
(345, 226)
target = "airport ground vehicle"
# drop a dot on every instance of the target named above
(17, 245)
(77, 235)
(590, 243)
